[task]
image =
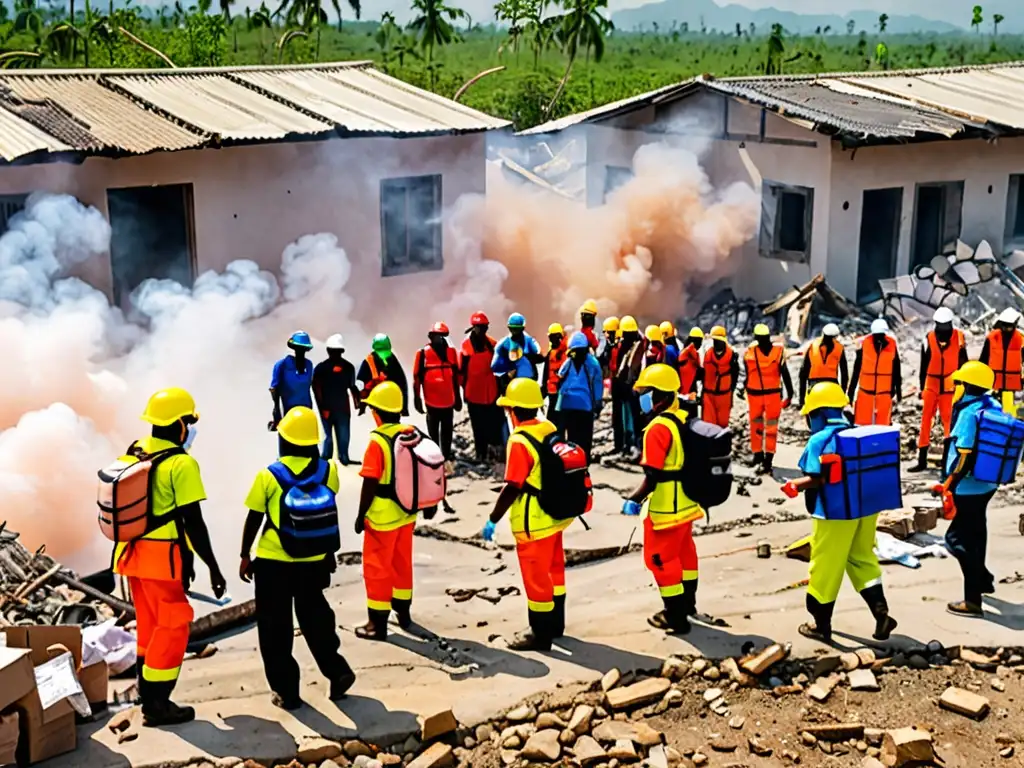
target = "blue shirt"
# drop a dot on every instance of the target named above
(510, 356)
(582, 388)
(671, 355)
(291, 384)
(810, 461)
(964, 435)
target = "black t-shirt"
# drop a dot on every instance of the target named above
(332, 383)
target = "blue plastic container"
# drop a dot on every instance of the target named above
(999, 447)
(870, 479)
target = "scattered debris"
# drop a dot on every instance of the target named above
(964, 703)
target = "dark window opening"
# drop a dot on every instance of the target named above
(938, 209)
(410, 218)
(10, 205)
(792, 209)
(1015, 209)
(879, 240)
(787, 218)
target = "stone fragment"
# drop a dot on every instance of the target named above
(610, 680)
(386, 759)
(863, 680)
(758, 747)
(483, 733)
(737, 722)
(722, 744)
(512, 742)
(366, 762)
(579, 723)
(964, 703)
(849, 661)
(437, 755)
(823, 687)
(997, 684)
(521, 714)
(866, 656)
(543, 745)
(699, 758)
(712, 694)
(711, 673)
(871, 762)
(873, 736)
(316, 750)
(437, 724)
(547, 720)
(638, 694)
(615, 730)
(979, 660)
(673, 698)
(354, 749)
(589, 752)
(836, 731)
(1006, 752)
(657, 757)
(624, 752)
(763, 661)
(826, 665)
(699, 665)
(674, 668)
(808, 738)
(906, 745)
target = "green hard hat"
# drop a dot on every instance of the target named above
(381, 342)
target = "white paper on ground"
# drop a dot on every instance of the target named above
(56, 680)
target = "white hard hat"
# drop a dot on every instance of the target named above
(830, 330)
(1009, 315)
(879, 326)
(943, 315)
(336, 341)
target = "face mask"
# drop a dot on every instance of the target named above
(647, 402)
(190, 436)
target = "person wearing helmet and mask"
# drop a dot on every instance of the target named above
(379, 366)
(580, 393)
(334, 381)
(668, 336)
(284, 583)
(292, 378)
(876, 371)
(690, 369)
(436, 375)
(629, 363)
(588, 323)
(721, 372)
(557, 354)
(480, 388)
(766, 374)
(607, 349)
(825, 361)
(538, 536)
(967, 535)
(517, 355)
(387, 529)
(838, 546)
(943, 352)
(1002, 353)
(655, 352)
(159, 564)
(669, 550)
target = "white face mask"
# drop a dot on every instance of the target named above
(190, 437)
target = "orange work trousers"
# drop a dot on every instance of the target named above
(930, 401)
(162, 618)
(387, 566)
(671, 555)
(542, 562)
(764, 421)
(717, 408)
(872, 409)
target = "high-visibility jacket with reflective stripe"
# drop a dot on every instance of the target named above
(824, 366)
(876, 366)
(689, 364)
(668, 505)
(529, 520)
(764, 372)
(1005, 361)
(555, 357)
(718, 372)
(943, 362)
(384, 513)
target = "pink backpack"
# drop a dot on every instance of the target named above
(418, 472)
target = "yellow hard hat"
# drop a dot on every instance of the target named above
(168, 405)
(653, 333)
(825, 394)
(386, 396)
(522, 393)
(762, 330)
(696, 333)
(718, 332)
(667, 329)
(299, 426)
(555, 328)
(627, 324)
(976, 373)
(610, 324)
(589, 307)
(659, 376)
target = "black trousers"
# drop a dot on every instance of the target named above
(439, 427)
(618, 434)
(553, 414)
(279, 588)
(967, 539)
(486, 423)
(579, 429)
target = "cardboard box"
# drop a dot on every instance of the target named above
(9, 738)
(95, 680)
(38, 638)
(16, 676)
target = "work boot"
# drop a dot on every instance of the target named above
(341, 685)
(922, 461)
(376, 628)
(821, 629)
(690, 597)
(874, 596)
(287, 703)
(403, 612)
(157, 708)
(673, 619)
(766, 464)
(528, 640)
(558, 617)
(756, 460)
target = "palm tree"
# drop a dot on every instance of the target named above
(883, 23)
(851, 26)
(776, 49)
(433, 27)
(539, 32)
(260, 20)
(514, 12)
(997, 19)
(977, 17)
(581, 26)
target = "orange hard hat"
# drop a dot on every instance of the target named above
(440, 328)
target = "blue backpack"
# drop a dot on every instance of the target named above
(866, 479)
(308, 520)
(999, 446)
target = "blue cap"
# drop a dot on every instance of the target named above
(578, 341)
(516, 320)
(300, 339)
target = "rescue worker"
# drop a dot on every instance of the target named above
(606, 351)
(942, 354)
(517, 355)
(609, 359)
(292, 378)
(669, 550)
(480, 388)
(967, 535)
(837, 546)
(159, 566)
(690, 369)
(588, 323)
(435, 377)
(334, 381)
(721, 373)
(379, 366)
(557, 354)
(876, 371)
(766, 374)
(1002, 353)
(655, 351)
(825, 361)
(284, 583)
(580, 394)
(538, 535)
(387, 529)
(668, 336)
(629, 363)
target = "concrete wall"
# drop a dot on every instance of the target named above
(251, 202)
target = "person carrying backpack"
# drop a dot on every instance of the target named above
(669, 550)
(293, 514)
(436, 374)
(580, 393)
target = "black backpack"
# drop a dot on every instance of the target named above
(706, 475)
(566, 490)
(308, 518)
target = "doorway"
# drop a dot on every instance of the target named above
(879, 240)
(938, 209)
(152, 236)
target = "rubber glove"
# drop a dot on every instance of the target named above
(631, 508)
(790, 490)
(488, 532)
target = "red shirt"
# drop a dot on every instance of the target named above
(657, 443)
(519, 463)
(480, 383)
(591, 337)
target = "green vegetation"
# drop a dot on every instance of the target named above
(548, 59)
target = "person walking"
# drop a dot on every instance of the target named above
(294, 581)
(825, 361)
(691, 371)
(291, 380)
(382, 365)
(580, 394)
(630, 362)
(721, 370)
(766, 373)
(334, 382)
(1002, 353)
(436, 381)
(480, 388)
(558, 352)
(877, 374)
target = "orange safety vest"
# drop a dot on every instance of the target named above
(556, 357)
(943, 363)
(376, 376)
(437, 376)
(876, 367)
(481, 385)
(689, 364)
(718, 372)
(764, 372)
(824, 368)
(1005, 362)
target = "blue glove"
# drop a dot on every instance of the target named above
(489, 531)
(631, 508)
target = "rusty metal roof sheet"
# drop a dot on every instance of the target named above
(19, 138)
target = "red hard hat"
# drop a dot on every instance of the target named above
(479, 318)
(439, 327)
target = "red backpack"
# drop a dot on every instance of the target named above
(566, 491)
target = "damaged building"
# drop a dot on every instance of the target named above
(864, 176)
(197, 167)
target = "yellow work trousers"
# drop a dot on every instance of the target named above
(843, 546)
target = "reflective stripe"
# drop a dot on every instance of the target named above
(674, 591)
(401, 594)
(559, 590)
(160, 675)
(690, 575)
(872, 583)
(540, 607)
(376, 605)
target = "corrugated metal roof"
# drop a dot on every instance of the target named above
(606, 111)
(19, 138)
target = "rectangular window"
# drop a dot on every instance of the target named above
(1015, 211)
(9, 206)
(614, 177)
(787, 218)
(410, 222)
(938, 211)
